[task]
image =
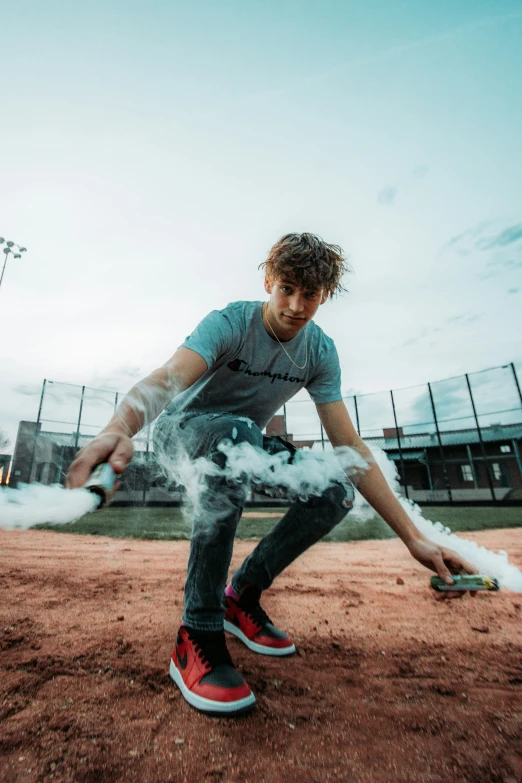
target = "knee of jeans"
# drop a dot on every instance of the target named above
(337, 501)
(220, 495)
(214, 527)
(243, 430)
(236, 431)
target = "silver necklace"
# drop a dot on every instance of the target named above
(299, 366)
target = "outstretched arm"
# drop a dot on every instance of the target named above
(374, 488)
(140, 406)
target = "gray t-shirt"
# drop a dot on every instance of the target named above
(249, 373)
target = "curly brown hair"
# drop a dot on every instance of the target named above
(308, 262)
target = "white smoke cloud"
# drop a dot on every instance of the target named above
(310, 474)
(493, 563)
(33, 504)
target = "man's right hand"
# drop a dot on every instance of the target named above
(117, 449)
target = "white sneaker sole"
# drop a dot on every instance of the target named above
(258, 648)
(209, 705)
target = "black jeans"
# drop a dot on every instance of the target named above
(218, 511)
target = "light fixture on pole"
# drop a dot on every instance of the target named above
(8, 249)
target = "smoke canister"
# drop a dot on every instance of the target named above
(101, 482)
(465, 582)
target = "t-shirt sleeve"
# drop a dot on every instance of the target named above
(212, 338)
(325, 386)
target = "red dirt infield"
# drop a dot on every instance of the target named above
(388, 684)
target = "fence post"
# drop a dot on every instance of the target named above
(472, 466)
(517, 456)
(512, 365)
(428, 469)
(357, 415)
(400, 448)
(441, 447)
(77, 438)
(322, 437)
(515, 445)
(146, 466)
(36, 430)
(482, 446)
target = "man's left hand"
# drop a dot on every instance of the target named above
(444, 562)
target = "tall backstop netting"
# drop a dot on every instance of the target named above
(68, 418)
(456, 440)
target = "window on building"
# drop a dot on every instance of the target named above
(505, 449)
(497, 473)
(466, 472)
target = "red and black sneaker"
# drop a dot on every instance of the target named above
(202, 669)
(249, 622)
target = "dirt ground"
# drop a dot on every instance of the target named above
(388, 684)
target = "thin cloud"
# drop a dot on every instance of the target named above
(388, 54)
(508, 236)
(464, 318)
(119, 378)
(417, 338)
(320, 76)
(475, 240)
(461, 242)
(420, 172)
(508, 263)
(28, 389)
(387, 195)
(62, 392)
(451, 402)
(411, 341)
(453, 321)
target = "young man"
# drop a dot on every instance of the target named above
(227, 380)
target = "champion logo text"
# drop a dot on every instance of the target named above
(236, 365)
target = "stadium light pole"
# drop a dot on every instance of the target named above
(8, 249)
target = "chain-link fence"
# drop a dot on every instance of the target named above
(69, 416)
(456, 440)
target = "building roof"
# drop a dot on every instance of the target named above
(498, 432)
(412, 446)
(408, 455)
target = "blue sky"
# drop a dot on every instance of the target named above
(152, 153)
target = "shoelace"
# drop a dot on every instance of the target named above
(249, 602)
(211, 647)
(258, 614)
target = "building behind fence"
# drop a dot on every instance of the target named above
(456, 440)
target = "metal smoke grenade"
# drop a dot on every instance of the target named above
(465, 582)
(101, 482)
